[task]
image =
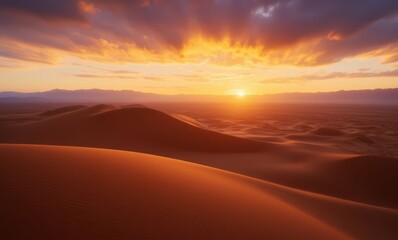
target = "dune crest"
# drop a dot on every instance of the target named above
(127, 128)
(61, 110)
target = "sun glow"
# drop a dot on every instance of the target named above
(240, 93)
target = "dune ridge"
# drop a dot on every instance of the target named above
(84, 181)
(71, 192)
(127, 128)
(61, 110)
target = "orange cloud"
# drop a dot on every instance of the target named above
(88, 7)
(272, 32)
(334, 36)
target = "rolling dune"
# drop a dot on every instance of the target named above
(324, 131)
(138, 128)
(79, 193)
(365, 179)
(127, 128)
(61, 110)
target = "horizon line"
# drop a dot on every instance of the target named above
(187, 94)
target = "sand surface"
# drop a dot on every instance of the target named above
(291, 175)
(87, 193)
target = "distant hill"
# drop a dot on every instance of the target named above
(91, 95)
(375, 96)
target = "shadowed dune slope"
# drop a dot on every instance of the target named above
(324, 131)
(61, 110)
(364, 177)
(79, 193)
(131, 128)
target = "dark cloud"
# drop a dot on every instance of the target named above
(291, 21)
(273, 23)
(342, 28)
(382, 33)
(47, 9)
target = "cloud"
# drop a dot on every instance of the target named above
(124, 72)
(85, 75)
(26, 53)
(379, 35)
(128, 77)
(391, 59)
(296, 32)
(46, 9)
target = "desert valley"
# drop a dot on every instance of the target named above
(194, 171)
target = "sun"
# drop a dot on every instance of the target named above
(240, 93)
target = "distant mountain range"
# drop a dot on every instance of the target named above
(376, 96)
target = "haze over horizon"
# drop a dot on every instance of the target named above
(238, 100)
(232, 93)
(201, 47)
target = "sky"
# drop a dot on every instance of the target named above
(199, 46)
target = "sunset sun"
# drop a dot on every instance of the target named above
(240, 93)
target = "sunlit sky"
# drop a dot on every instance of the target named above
(199, 46)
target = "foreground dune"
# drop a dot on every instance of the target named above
(58, 192)
(79, 193)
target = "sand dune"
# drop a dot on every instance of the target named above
(188, 120)
(61, 110)
(128, 128)
(365, 177)
(361, 137)
(78, 193)
(138, 128)
(312, 169)
(357, 220)
(324, 131)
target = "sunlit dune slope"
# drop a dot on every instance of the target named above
(79, 193)
(129, 128)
